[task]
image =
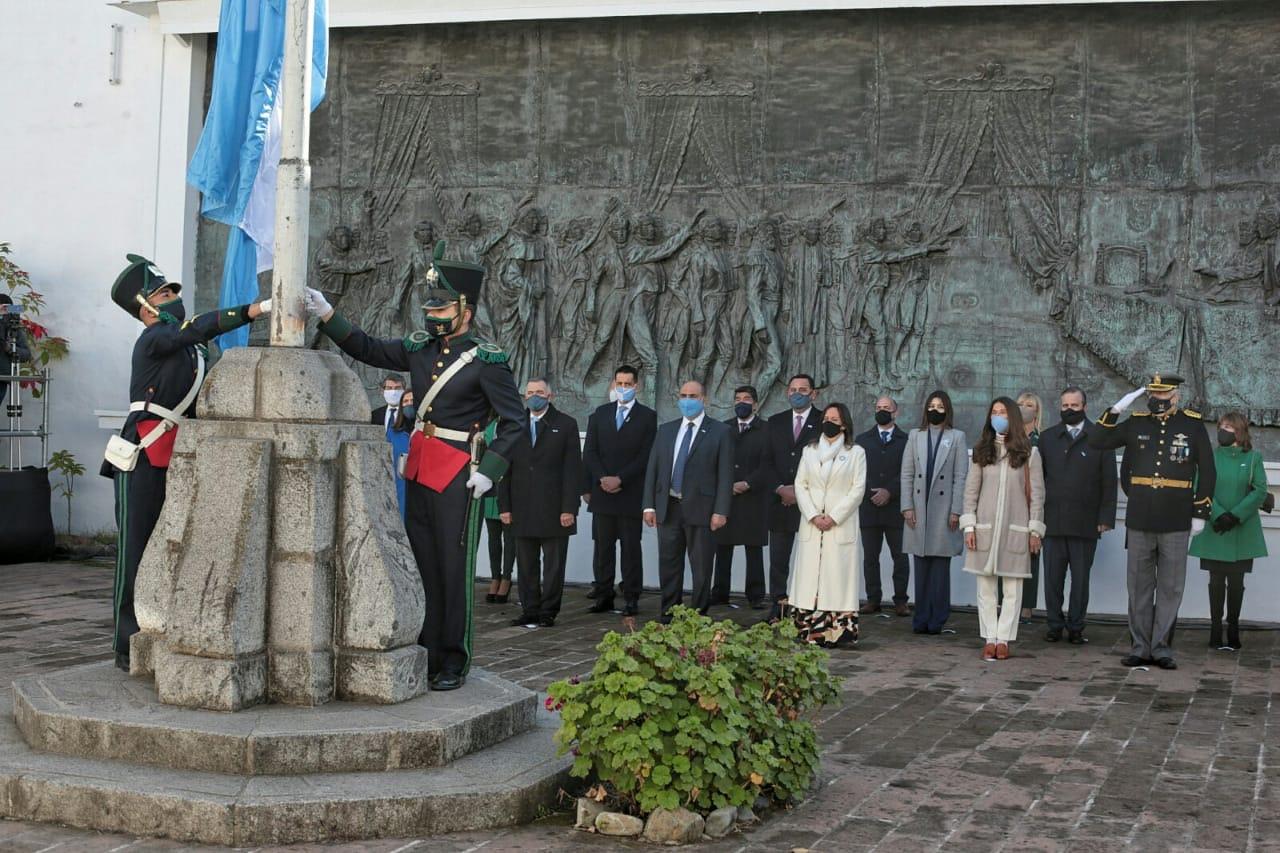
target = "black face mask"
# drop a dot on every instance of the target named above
(172, 311)
(831, 429)
(1226, 439)
(439, 327)
(1071, 417)
(884, 418)
(743, 410)
(935, 417)
(1159, 407)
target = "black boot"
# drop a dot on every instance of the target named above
(1235, 597)
(1217, 595)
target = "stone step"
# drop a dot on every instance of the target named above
(96, 711)
(505, 784)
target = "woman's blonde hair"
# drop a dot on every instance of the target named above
(1027, 396)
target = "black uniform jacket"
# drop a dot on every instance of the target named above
(786, 451)
(1079, 482)
(884, 471)
(612, 452)
(752, 463)
(165, 360)
(475, 394)
(545, 479)
(1171, 470)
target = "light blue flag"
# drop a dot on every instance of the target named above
(236, 158)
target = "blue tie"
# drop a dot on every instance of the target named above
(682, 457)
(533, 432)
(621, 416)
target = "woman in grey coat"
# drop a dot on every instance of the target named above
(933, 473)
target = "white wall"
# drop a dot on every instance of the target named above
(81, 166)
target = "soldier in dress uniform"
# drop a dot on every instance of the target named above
(460, 385)
(168, 362)
(1171, 481)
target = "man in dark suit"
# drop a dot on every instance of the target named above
(1079, 506)
(688, 487)
(789, 432)
(539, 499)
(619, 439)
(752, 492)
(879, 517)
(392, 391)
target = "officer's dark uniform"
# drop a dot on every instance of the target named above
(435, 521)
(1171, 478)
(162, 372)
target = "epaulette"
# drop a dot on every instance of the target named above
(1193, 414)
(1141, 414)
(416, 340)
(491, 353)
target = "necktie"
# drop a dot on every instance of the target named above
(741, 427)
(619, 418)
(533, 432)
(1075, 432)
(682, 456)
(795, 432)
(886, 437)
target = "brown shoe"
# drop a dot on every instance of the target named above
(869, 608)
(1002, 651)
(902, 609)
(989, 651)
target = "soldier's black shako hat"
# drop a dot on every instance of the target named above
(139, 280)
(1164, 382)
(451, 280)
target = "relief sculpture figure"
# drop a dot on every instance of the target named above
(648, 282)
(1253, 266)
(764, 277)
(612, 277)
(575, 316)
(706, 284)
(519, 323)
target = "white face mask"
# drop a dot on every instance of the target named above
(392, 396)
(613, 395)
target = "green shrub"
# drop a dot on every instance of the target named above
(697, 713)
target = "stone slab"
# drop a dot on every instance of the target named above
(506, 784)
(382, 677)
(97, 712)
(217, 684)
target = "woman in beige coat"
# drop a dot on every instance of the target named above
(1003, 521)
(830, 483)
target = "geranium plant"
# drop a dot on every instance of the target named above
(46, 347)
(697, 713)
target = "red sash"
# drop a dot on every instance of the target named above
(160, 451)
(432, 462)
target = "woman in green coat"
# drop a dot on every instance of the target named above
(1233, 538)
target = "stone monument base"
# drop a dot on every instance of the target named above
(91, 747)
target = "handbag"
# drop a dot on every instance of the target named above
(122, 454)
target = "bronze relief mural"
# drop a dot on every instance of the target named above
(981, 200)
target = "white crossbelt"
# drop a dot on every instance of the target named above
(420, 424)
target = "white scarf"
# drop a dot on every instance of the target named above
(828, 448)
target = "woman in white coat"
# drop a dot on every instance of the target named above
(823, 592)
(1003, 521)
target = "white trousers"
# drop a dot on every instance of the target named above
(1003, 629)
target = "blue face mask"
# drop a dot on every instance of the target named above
(408, 412)
(536, 403)
(799, 401)
(690, 408)
(1000, 424)
(626, 395)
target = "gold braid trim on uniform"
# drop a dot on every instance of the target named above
(1160, 483)
(1202, 501)
(1193, 414)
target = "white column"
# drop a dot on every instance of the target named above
(293, 181)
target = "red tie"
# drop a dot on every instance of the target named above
(795, 433)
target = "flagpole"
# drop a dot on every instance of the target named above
(293, 179)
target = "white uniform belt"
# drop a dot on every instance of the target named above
(158, 411)
(430, 429)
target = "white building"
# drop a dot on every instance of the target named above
(100, 108)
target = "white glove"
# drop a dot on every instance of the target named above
(315, 303)
(479, 484)
(264, 307)
(1127, 400)
(1197, 524)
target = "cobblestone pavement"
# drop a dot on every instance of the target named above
(1058, 748)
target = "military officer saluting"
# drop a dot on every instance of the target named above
(1170, 496)
(166, 373)
(460, 385)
